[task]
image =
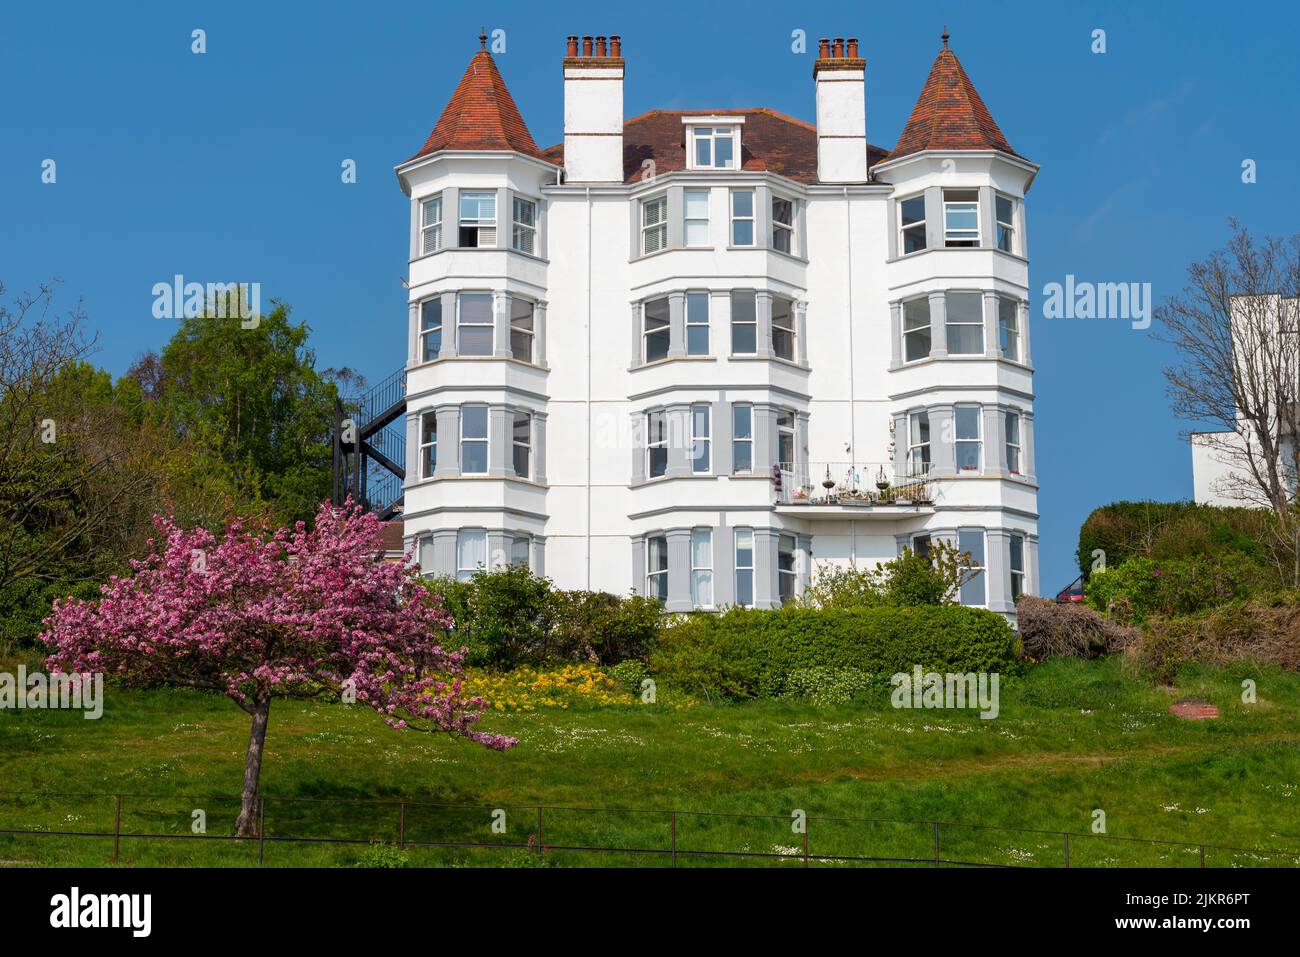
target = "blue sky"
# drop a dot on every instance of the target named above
(226, 165)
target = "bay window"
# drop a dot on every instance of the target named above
(656, 567)
(430, 329)
(656, 329)
(656, 444)
(523, 226)
(522, 443)
(697, 323)
(782, 328)
(1017, 566)
(787, 574)
(782, 224)
(744, 565)
(742, 438)
(522, 329)
(1008, 328)
(1004, 208)
(785, 451)
(701, 444)
(970, 542)
(431, 225)
(702, 568)
(428, 444)
(1013, 442)
(918, 444)
(471, 552)
(744, 323)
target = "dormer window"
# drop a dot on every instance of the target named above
(713, 142)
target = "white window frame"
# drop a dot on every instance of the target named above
(918, 446)
(1005, 239)
(524, 447)
(786, 431)
(923, 331)
(702, 574)
(746, 440)
(753, 323)
(426, 445)
(701, 438)
(652, 573)
(961, 238)
(462, 324)
(662, 331)
(696, 323)
(788, 328)
(751, 218)
(1017, 575)
(1009, 332)
(464, 535)
(431, 225)
(653, 443)
(787, 578)
(740, 535)
(483, 439)
(784, 230)
(427, 331)
(658, 228)
(529, 332)
(521, 230)
(917, 227)
(1014, 453)
(976, 323)
(485, 235)
(980, 563)
(688, 220)
(958, 440)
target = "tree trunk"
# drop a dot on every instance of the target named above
(247, 823)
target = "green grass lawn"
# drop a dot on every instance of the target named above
(1071, 737)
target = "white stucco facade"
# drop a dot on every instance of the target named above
(711, 404)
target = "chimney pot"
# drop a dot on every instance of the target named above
(853, 47)
(838, 48)
(600, 46)
(586, 46)
(615, 45)
(572, 49)
(823, 48)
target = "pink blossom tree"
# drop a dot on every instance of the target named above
(261, 614)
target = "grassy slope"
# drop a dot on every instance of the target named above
(1071, 737)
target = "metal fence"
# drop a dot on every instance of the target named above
(585, 835)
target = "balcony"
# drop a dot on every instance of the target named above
(869, 490)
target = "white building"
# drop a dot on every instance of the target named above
(694, 354)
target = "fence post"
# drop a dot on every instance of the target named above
(261, 829)
(539, 829)
(401, 826)
(1067, 850)
(674, 838)
(117, 827)
(936, 843)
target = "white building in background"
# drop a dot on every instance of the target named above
(1220, 469)
(694, 354)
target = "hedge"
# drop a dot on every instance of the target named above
(1174, 530)
(749, 653)
(1141, 587)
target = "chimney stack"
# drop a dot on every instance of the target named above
(593, 110)
(840, 78)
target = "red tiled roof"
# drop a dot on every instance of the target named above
(950, 114)
(769, 141)
(481, 115)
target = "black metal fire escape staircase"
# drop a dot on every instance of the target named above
(370, 450)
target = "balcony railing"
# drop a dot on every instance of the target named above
(852, 484)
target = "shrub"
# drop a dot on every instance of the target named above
(382, 855)
(747, 653)
(600, 627)
(1049, 630)
(1264, 630)
(908, 581)
(1141, 587)
(827, 686)
(629, 674)
(1178, 530)
(510, 617)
